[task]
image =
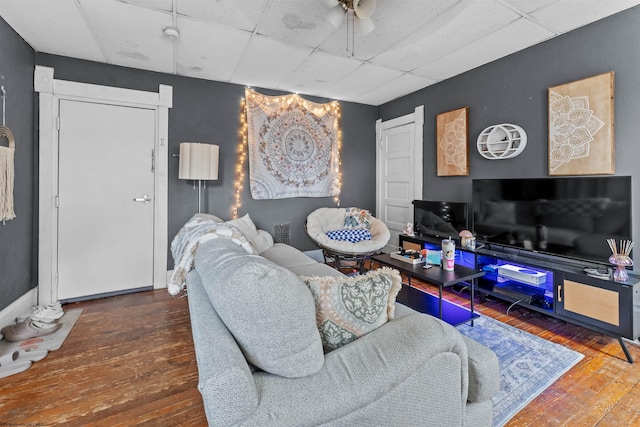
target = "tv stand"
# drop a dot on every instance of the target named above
(551, 285)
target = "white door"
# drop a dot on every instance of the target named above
(105, 238)
(399, 180)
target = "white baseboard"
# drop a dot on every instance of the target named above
(19, 307)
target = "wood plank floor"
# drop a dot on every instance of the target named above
(129, 360)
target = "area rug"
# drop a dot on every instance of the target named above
(528, 364)
(49, 342)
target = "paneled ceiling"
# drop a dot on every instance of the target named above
(285, 44)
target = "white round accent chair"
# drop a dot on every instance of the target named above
(324, 220)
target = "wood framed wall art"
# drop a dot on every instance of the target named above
(581, 133)
(452, 142)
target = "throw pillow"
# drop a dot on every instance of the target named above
(268, 309)
(249, 229)
(353, 236)
(349, 307)
(356, 218)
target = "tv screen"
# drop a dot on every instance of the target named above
(439, 218)
(571, 217)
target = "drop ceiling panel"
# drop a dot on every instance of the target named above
(239, 14)
(415, 42)
(363, 80)
(208, 51)
(266, 61)
(528, 6)
(563, 16)
(166, 5)
(318, 72)
(52, 27)
(512, 38)
(131, 36)
(470, 22)
(298, 23)
(403, 85)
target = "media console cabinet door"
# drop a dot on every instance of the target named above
(591, 301)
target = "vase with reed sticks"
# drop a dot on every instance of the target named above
(620, 259)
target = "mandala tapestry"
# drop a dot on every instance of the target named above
(452, 145)
(293, 147)
(581, 127)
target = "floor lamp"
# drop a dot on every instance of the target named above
(198, 162)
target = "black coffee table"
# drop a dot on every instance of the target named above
(435, 275)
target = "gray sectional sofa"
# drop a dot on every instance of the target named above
(260, 360)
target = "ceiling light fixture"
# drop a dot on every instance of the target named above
(359, 11)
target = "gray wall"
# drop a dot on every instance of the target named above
(17, 251)
(206, 111)
(514, 90)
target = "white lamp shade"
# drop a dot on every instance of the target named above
(364, 25)
(335, 16)
(198, 161)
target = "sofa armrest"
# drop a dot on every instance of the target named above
(484, 371)
(225, 379)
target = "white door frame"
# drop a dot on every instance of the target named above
(50, 92)
(417, 118)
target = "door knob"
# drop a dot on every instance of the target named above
(143, 199)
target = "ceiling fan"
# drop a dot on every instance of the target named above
(361, 10)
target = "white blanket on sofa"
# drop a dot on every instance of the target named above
(197, 230)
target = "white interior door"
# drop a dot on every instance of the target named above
(105, 238)
(399, 179)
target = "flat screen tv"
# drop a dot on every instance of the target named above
(439, 218)
(570, 217)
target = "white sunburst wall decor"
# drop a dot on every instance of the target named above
(499, 142)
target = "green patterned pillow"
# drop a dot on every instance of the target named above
(349, 307)
(356, 218)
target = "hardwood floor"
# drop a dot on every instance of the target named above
(129, 360)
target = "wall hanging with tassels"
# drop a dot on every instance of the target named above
(7, 155)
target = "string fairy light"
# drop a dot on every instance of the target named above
(242, 154)
(332, 108)
(338, 161)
